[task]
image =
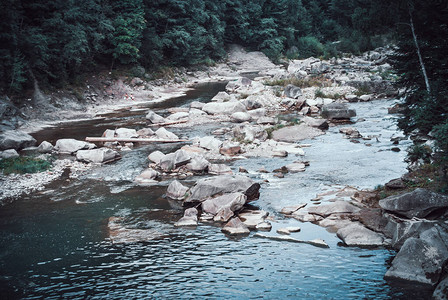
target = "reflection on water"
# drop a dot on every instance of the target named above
(56, 244)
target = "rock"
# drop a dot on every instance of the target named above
(174, 160)
(321, 124)
(295, 133)
(396, 184)
(295, 167)
(249, 133)
(365, 97)
(198, 164)
(145, 132)
(45, 147)
(253, 192)
(223, 108)
(292, 91)
(223, 207)
(178, 116)
(337, 207)
(17, 140)
(266, 121)
(219, 169)
(350, 132)
(291, 209)
(252, 103)
(264, 226)
(405, 229)
(126, 133)
(279, 153)
(155, 118)
(441, 291)
(230, 149)
(209, 187)
(235, 226)
(421, 259)
(251, 218)
(351, 98)
(419, 203)
(241, 117)
(148, 176)
(71, 145)
(162, 133)
(156, 156)
(190, 218)
(210, 143)
(108, 133)
(337, 111)
(221, 97)
(176, 190)
(257, 113)
(193, 112)
(357, 235)
(304, 216)
(197, 105)
(288, 230)
(118, 233)
(318, 101)
(242, 82)
(317, 242)
(10, 153)
(101, 155)
(242, 170)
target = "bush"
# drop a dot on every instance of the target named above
(440, 133)
(417, 152)
(22, 165)
(310, 46)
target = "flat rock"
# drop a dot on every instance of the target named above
(241, 117)
(291, 209)
(126, 133)
(264, 226)
(337, 111)
(253, 217)
(174, 160)
(17, 140)
(357, 235)
(288, 230)
(235, 227)
(101, 155)
(190, 218)
(219, 169)
(71, 145)
(155, 118)
(296, 167)
(210, 143)
(178, 116)
(119, 234)
(317, 242)
(162, 133)
(176, 190)
(419, 203)
(296, 133)
(337, 207)
(223, 108)
(321, 124)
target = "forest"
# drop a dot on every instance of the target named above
(55, 41)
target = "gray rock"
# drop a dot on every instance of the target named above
(72, 145)
(209, 187)
(190, 218)
(101, 155)
(337, 111)
(321, 124)
(337, 207)
(295, 133)
(155, 118)
(223, 108)
(251, 218)
(396, 184)
(210, 143)
(221, 97)
(252, 103)
(126, 133)
(148, 176)
(156, 156)
(257, 113)
(10, 153)
(266, 121)
(317, 242)
(292, 91)
(441, 291)
(405, 229)
(174, 160)
(249, 133)
(224, 207)
(45, 147)
(419, 203)
(230, 149)
(219, 169)
(17, 140)
(145, 132)
(241, 117)
(176, 190)
(197, 105)
(162, 133)
(421, 259)
(357, 235)
(295, 167)
(264, 226)
(235, 226)
(291, 209)
(198, 164)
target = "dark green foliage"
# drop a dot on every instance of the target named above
(24, 164)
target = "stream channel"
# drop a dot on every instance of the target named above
(55, 244)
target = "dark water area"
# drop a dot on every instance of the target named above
(55, 244)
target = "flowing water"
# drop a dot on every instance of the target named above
(55, 244)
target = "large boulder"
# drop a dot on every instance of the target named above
(357, 235)
(17, 140)
(155, 118)
(419, 203)
(422, 259)
(209, 187)
(72, 146)
(147, 177)
(198, 164)
(126, 133)
(101, 155)
(292, 91)
(241, 117)
(176, 190)
(296, 133)
(45, 147)
(223, 207)
(10, 153)
(223, 108)
(190, 218)
(174, 160)
(156, 156)
(337, 111)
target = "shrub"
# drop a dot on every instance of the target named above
(22, 165)
(310, 46)
(417, 152)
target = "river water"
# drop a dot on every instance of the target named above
(55, 244)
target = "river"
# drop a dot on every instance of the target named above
(55, 244)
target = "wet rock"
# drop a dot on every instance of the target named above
(337, 111)
(17, 140)
(251, 218)
(351, 98)
(230, 149)
(209, 187)
(235, 226)
(198, 164)
(396, 184)
(224, 108)
(101, 155)
(291, 209)
(421, 259)
(264, 226)
(174, 160)
(148, 176)
(224, 207)
(419, 203)
(241, 117)
(162, 133)
(190, 218)
(317, 242)
(405, 229)
(210, 143)
(155, 118)
(288, 230)
(219, 169)
(295, 167)
(176, 190)
(304, 216)
(292, 91)
(118, 233)
(126, 133)
(45, 147)
(10, 153)
(321, 124)
(357, 235)
(338, 207)
(253, 192)
(350, 132)
(365, 97)
(71, 145)
(156, 156)
(441, 291)
(295, 133)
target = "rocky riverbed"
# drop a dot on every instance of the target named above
(268, 116)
